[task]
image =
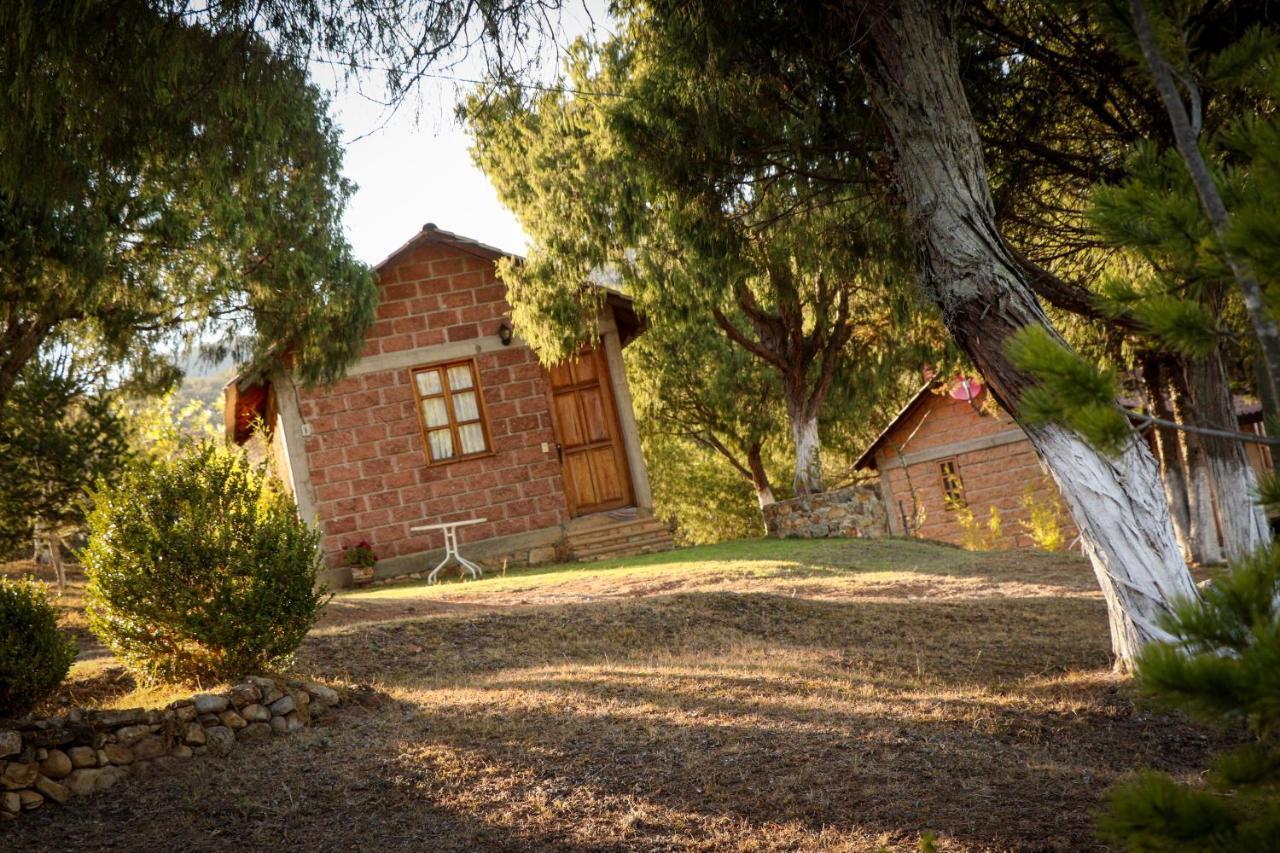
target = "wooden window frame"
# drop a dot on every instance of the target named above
(446, 393)
(949, 470)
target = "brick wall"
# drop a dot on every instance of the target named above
(940, 419)
(365, 452)
(997, 477)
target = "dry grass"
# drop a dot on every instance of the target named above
(839, 695)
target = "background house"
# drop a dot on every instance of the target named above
(448, 416)
(952, 447)
(944, 452)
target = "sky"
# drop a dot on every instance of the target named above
(416, 169)
(413, 167)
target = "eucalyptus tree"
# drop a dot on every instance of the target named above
(717, 194)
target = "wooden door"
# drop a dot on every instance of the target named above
(596, 476)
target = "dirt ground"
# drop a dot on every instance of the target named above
(838, 695)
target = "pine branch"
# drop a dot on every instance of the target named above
(1185, 134)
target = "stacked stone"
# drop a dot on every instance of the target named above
(84, 752)
(855, 511)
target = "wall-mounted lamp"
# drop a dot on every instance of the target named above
(505, 333)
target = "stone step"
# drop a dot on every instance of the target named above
(640, 544)
(620, 530)
(631, 550)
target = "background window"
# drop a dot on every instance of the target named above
(952, 485)
(451, 411)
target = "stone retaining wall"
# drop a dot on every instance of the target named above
(851, 511)
(84, 752)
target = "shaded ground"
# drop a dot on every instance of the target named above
(841, 695)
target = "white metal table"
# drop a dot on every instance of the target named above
(450, 531)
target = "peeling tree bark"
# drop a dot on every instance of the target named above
(1118, 504)
(1169, 453)
(804, 432)
(1203, 527)
(1242, 522)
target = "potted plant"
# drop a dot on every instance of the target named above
(361, 559)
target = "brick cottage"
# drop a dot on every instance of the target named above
(952, 447)
(447, 415)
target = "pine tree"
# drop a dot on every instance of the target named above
(1159, 32)
(1223, 666)
(1091, 185)
(61, 429)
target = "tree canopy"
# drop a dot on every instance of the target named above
(162, 177)
(720, 192)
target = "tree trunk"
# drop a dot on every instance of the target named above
(1186, 132)
(54, 541)
(804, 432)
(1206, 547)
(1169, 452)
(759, 477)
(1241, 520)
(1118, 504)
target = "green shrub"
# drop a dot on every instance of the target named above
(200, 569)
(34, 655)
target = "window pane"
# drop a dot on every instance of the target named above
(464, 406)
(459, 377)
(428, 382)
(441, 441)
(472, 438)
(952, 485)
(434, 412)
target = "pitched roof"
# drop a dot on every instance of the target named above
(1248, 411)
(431, 234)
(630, 325)
(868, 457)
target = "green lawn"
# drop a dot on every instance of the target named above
(756, 695)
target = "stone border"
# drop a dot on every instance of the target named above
(852, 511)
(84, 752)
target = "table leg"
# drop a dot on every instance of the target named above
(451, 552)
(431, 577)
(476, 571)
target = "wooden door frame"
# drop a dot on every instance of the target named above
(612, 424)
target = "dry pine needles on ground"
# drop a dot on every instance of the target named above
(842, 695)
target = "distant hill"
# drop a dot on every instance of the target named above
(206, 388)
(204, 380)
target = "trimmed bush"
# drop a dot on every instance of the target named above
(200, 569)
(34, 655)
